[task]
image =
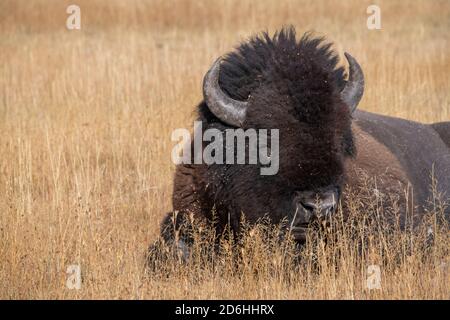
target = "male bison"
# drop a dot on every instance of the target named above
(324, 142)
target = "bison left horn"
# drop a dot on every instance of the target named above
(354, 88)
(225, 108)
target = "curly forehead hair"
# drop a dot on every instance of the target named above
(306, 70)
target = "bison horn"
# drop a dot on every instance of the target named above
(225, 108)
(354, 88)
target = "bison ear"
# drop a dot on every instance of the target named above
(354, 88)
(225, 108)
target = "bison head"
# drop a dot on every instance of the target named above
(296, 87)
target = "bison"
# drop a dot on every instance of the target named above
(298, 87)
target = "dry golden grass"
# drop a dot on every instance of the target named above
(86, 117)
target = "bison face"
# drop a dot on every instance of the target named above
(313, 116)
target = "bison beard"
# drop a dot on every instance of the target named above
(298, 88)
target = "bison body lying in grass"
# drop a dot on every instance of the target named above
(326, 146)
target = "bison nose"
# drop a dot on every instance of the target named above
(316, 205)
(320, 209)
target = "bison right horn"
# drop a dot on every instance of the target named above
(225, 108)
(354, 88)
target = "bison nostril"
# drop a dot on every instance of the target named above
(308, 206)
(329, 211)
(319, 210)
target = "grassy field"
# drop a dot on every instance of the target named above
(86, 118)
